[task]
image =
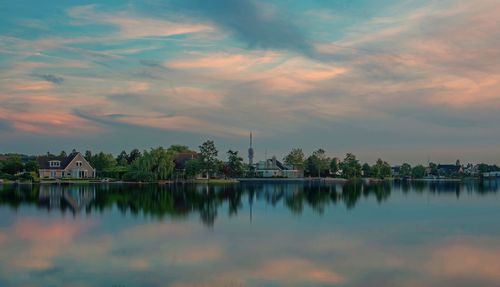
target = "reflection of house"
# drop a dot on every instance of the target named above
(58, 197)
(72, 166)
(274, 168)
(449, 169)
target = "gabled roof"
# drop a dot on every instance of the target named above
(43, 161)
(448, 167)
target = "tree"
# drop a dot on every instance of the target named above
(350, 167)
(102, 161)
(318, 163)
(234, 164)
(405, 170)
(418, 171)
(295, 158)
(133, 156)
(88, 155)
(193, 168)
(31, 166)
(433, 168)
(367, 170)
(159, 162)
(63, 154)
(12, 165)
(122, 158)
(334, 165)
(179, 149)
(208, 157)
(381, 169)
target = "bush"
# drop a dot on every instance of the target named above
(139, 176)
(25, 176)
(7, 176)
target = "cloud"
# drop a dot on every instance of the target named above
(260, 25)
(50, 78)
(135, 26)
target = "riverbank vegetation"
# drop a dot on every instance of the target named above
(180, 163)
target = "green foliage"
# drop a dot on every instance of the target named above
(350, 167)
(158, 161)
(295, 158)
(102, 161)
(12, 165)
(179, 149)
(122, 158)
(405, 170)
(334, 165)
(63, 154)
(133, 156)
(139, 176)
(234, 164)
(88, 156)
(367, 170)
(31, 166)
(381, 169)
(318, 163)
(433, 169)
(208, 157)
(418, 171)
(193, 168)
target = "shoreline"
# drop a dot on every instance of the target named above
(252, 180)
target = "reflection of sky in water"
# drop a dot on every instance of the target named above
(293, 235)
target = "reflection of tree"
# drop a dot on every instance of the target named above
(180, 201)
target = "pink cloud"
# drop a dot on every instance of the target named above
(461, 260)
(292, 270)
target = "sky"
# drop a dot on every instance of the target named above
(403, 80)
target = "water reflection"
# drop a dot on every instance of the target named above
(178, 201)
(346, 235)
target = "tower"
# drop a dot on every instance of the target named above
(250, 152)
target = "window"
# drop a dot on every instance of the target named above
(54, 163)
(78, 163)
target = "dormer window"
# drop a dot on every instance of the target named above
(78, 163)
(54, 163)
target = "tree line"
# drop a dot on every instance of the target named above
(160, 164)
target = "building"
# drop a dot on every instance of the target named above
(72, 166)
(449, 169)
(250, 152)
(274, 168)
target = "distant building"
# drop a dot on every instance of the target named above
(471, 170)
(449, 169)
(182, 158)
(274, 168)
(250, 152)
(395, 170)
(72, 166)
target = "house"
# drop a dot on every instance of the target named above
(72, 166)
(471, 170)
(396, 170)
(449, 169)
(274, 168)
(182, 158)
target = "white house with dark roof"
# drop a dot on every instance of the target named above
(72, 166)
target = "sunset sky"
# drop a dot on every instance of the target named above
(402, 80)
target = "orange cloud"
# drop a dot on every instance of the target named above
(43, 241)
(292, 270)
(465, 260)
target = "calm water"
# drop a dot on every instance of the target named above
(421, 234)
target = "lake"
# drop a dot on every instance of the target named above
(252, 234)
